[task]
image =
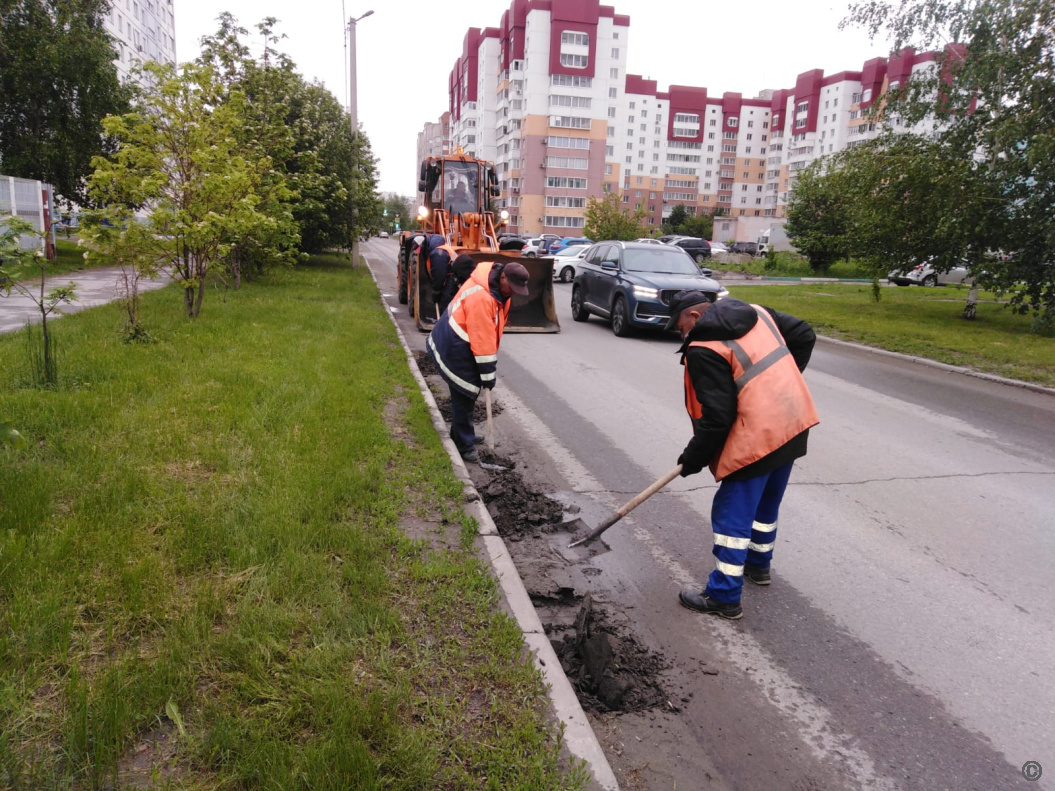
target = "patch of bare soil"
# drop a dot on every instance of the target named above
(153, 762)
(609, 669)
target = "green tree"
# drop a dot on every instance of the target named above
(57, 82)
(818, 219)
(304, 131)
(397, 206)
(605, 219)
(994, 98)
(674, 221)
(17, 264)
(178, 159)
(701, 226)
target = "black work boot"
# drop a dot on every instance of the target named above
(756, 574)
(695, 600)
(471, 456)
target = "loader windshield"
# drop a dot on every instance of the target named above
(461, 187)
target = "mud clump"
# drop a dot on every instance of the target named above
(610, 671)
(426, 365)
(516, 509)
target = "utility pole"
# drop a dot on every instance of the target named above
(353, 111)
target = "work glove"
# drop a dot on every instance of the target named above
(489, 384)
(691, 463)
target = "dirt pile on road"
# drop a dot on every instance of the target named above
(517, 510)
(609, 669)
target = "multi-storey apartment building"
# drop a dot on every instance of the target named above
(545, 95)
(144, 30)
(537, 94)
(434, 140)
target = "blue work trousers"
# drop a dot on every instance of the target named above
(462, 431)
(744, 519)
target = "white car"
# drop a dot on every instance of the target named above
(383, 235)
(565, 261)
(649, 241)
(924, 275)
(718, 247)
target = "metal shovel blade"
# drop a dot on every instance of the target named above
(576, 552)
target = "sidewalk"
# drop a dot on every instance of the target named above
(94, 287)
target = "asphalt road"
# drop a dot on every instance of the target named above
(907, 641)
(93, 287)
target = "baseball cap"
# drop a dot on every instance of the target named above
(517, 277)
(686, 299)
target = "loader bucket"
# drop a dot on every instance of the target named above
(536, 312)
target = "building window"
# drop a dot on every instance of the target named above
(574, 61)
(615, 52)
(613, 73)
(611, 93)
(576, 39)
(732, 122)
(867, 95)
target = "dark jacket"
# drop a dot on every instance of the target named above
(712, 379)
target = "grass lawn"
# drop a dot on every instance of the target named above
(920, 321)
(787, 264)
(204, 580)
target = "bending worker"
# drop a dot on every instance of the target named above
(751, 414)
(464, 343)
(439, 264)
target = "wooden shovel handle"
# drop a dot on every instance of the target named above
(630, 506)
(490, 424)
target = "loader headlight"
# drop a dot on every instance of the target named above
(504, 215)
(423, 212)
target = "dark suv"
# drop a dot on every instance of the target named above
(751, 248)
(699, 249)
(632, 283)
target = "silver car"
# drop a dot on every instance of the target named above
(925, 275)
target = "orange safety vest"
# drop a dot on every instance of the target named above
(464, 342)
(773, 403)
(450, 252)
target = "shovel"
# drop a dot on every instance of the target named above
(490, 424)
(630, 506)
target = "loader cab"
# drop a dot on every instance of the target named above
(458, 185)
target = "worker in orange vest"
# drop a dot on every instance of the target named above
(464, 343)
(751, 413)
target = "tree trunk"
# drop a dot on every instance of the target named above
(188, 301)
(972, 301)
(201, 293)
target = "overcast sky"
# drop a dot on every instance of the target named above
(742, 46)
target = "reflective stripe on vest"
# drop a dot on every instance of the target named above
(775, 409)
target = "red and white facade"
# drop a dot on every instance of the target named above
(545, 95)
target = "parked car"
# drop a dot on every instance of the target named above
(718, 247)
(751, 248)
(568, 241)
(699, 249)
(535, 247)
(648, 240)
(565, 261)
(925, 275)
(632, 283)
(383, 235)
(671, 237)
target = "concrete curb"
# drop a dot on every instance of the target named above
(959, 369)
(579, 736)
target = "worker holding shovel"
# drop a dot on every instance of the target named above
(751, 413)
(464, 343)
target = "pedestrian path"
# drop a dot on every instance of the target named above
(93, 287)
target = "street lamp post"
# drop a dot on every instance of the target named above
(353, 111)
